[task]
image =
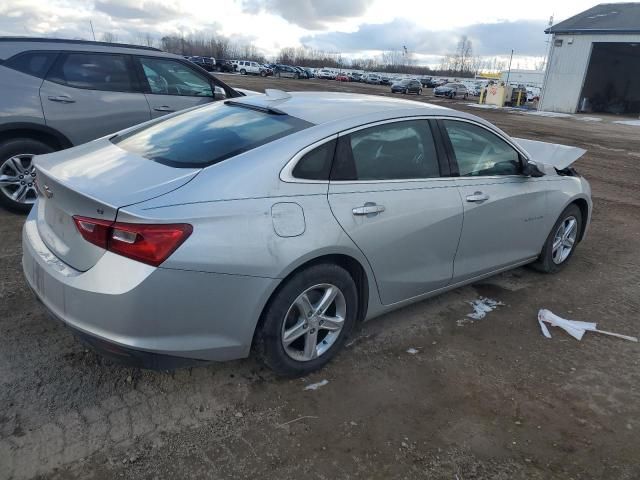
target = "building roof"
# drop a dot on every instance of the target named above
(324, 107)
(603, 18)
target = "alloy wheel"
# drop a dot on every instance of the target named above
(17, 178)
(313, 322)
(564, 240)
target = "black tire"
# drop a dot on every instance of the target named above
(18, 146)
(268, 344)
(406, 91)
(545, 262)
(263, 73)
(419, 92)
(243, 72)
(296, 76)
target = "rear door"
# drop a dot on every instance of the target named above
(172, 85)
(504, 210)
(390, 194)
(88, 95)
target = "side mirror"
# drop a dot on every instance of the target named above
(219, 93)
(531, 169)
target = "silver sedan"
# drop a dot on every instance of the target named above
(277, 222)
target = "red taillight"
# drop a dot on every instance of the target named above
(147, 243)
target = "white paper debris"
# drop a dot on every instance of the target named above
(482, 306)
(575, 328)
(412, 351)
(315, 386)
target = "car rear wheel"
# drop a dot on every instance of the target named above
(561, 242)
(308, 320)
(419, 92)
(243, 72)
(17, 173)
(296, 76)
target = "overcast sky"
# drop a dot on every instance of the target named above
(350, 27)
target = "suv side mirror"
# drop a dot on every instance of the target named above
(219, 93)
(531, 169)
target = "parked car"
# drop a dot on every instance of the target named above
(303, 72)
(247, 67)
(355, 76)
(159, 250)
(407, 86)
(385, 80)
(451, 90)
(61, 93)
(325, 74)
(286, 71)
(373, 79)
(342, 77)
(208, 63)
(428, 82)
(310, 72)
(224, 66)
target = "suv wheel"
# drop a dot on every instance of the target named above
(243, 71)
(263, 73)
(17, 174)
(308, 320)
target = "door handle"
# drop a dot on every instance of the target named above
(368, 208)
(477, 197)
(164, 108)
(61, 98)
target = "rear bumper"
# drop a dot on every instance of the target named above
(138, 312)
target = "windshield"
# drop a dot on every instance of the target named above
(450, 85)
(208, 135)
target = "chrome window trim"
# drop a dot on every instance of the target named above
(286, 174)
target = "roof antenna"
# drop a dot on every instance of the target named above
(275, 94)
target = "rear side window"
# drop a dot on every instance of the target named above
(94, 71)
(208, 135)
(316, 164)
(32, 63)
(392, 151)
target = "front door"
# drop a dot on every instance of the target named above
(503, 210)
(387, 193)
(173, 85)
(89, 95)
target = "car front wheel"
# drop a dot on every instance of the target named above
(308, 320)
(243, 72)
(17, 173)
(561, 242)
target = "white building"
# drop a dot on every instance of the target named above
(528, 78)
(594, 61)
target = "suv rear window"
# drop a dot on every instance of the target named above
(208, 135)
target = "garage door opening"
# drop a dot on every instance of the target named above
(612, 84)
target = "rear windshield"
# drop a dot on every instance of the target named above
(208, 135)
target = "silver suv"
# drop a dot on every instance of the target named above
(61, 93)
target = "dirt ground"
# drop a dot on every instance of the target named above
(488, 399)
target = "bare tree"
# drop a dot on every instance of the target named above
(109, 37)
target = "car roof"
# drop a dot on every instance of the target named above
(325, 107)
(10, 46)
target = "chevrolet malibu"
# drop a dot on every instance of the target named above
(277, 222)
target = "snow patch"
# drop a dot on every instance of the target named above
(315, 386)
(633, 123)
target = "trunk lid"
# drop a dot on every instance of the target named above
(94, 180)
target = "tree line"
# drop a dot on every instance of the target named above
(462, 62)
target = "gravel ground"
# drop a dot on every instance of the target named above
(484, 399)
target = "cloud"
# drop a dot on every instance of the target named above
(310, 14)
(526, 37)
(145, 9)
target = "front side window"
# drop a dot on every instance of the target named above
(480, 152)
(207, 135)
(94, 71)
(392, 151)
(170, 77)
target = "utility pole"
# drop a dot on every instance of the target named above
(509, 71)
(92, 32)
(548, 42)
